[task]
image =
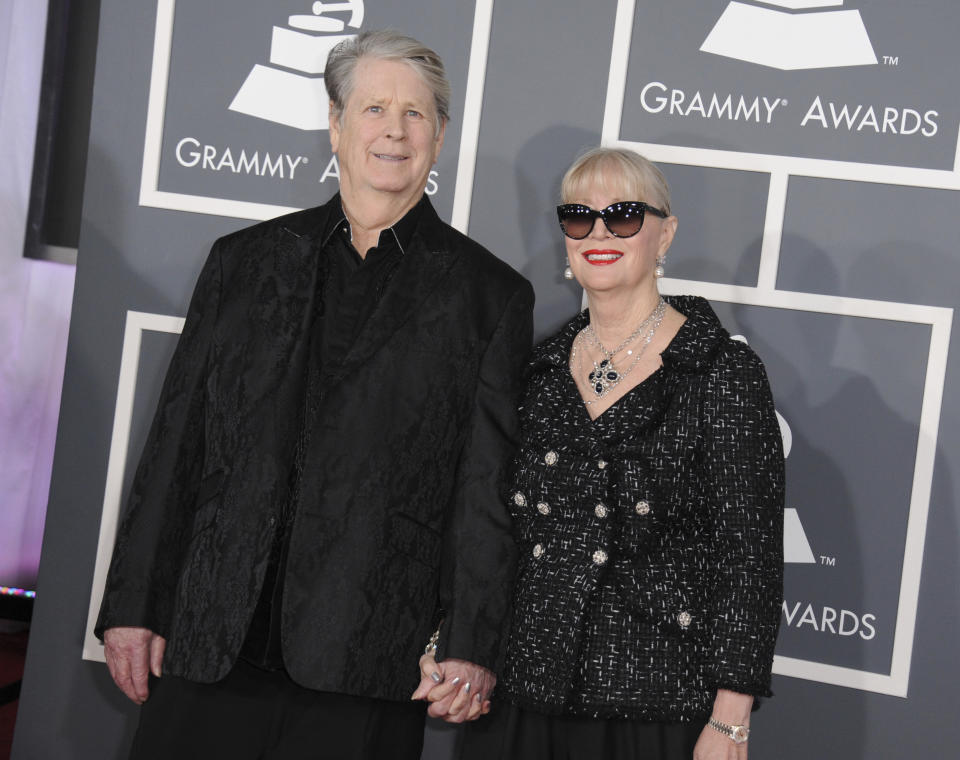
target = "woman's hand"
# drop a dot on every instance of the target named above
(731, 708)
(712, 745)
(457, 690)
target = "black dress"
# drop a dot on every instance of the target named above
(650, 553)
(510, 732)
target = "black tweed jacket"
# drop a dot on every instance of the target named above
(651, 538)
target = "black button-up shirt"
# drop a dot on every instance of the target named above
(351, 289)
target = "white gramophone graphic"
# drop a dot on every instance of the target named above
(284, 96)
(800, 37)
(796, 546)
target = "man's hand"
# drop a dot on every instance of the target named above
(132, 654)
(456, 689)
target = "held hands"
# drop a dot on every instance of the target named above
(132, 654)
(457, 690)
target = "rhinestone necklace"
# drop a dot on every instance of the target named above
(588, 332)
(605, 375)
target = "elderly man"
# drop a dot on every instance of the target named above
(318, 495)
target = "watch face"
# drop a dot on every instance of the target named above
(739, 734)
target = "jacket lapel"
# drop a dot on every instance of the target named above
(275, 361)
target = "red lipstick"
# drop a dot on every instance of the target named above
(602, 257)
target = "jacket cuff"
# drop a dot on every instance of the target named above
(128, 609)
(469, 644)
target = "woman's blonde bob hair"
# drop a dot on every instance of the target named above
(620, 170)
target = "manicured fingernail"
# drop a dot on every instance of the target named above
(466, 687)
(455, 681)
(435, 677)
(479, 697)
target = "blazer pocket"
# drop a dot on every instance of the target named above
(657, 593)
(414, 539)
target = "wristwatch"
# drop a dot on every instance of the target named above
(739, 734)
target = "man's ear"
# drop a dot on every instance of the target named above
(439, 141)
(334, 118)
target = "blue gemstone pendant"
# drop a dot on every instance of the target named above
(603, 377)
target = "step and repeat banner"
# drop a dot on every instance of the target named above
(822, 101)
(812, 150)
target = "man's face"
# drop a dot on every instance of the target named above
(385, 138)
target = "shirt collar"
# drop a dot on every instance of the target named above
(401, 231)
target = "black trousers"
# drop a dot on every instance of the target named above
(512, 733)
(255, 714)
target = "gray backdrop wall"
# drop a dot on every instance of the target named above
(813, 155)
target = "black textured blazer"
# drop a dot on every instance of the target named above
(400, 513)
(651, 539)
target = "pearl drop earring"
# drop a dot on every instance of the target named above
(658, 272)
(568, 272)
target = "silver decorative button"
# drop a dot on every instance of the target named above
(601, 464)
(599, 557)
(642, 507)
(538, 551)
(543, 508)
(519, 499)
(551, 457)
(684, 619)
(600, 510)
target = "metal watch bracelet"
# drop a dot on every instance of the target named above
(739, 734)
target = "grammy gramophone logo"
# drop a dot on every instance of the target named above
(290, 90)
(796, 546)
(797, 34)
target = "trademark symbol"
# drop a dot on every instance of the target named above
(784, 101)
(828, 561)
(306, 159)
(891, 60)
